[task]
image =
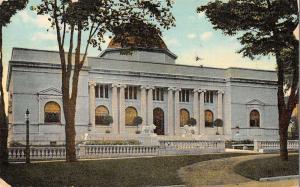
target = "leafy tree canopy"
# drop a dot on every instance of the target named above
(264, 24)
(101, 16)
(9, 8)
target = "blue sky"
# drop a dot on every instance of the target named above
(193, 36)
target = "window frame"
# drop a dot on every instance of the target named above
(206, 122)
(59, 114)
(259, 119)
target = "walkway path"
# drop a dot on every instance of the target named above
(220, 173)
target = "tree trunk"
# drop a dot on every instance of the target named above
(3, 118)
(69, 112)
(283, 142)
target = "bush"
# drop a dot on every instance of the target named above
(16, 144)
(218, 123)
(192, 121)
(104, 120)
(138, 120)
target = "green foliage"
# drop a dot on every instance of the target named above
(138, 120)
(16, 144)
(108, 120)
(264, 27)
(101, 16)
(192, 121)
(10, 8)
(218, 123)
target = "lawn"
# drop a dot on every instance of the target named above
(268, 167)
(116, 172)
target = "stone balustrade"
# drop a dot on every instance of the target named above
(98, 151)
(274, 145)
(166, 147)
(191, 146)
(37, 153)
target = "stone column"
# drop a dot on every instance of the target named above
(150, 106)
(176, 109)
(114, 104)
(170, 111)
(144, 105)
(220, 104)
(92, 108)
(201, 111)
(196, 106)
(122, 109)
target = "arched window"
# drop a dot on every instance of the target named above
(100, 113)
(52, 112)
(209, 118)
(184, 117)
(130, 114)
(254, 118)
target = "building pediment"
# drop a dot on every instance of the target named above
(255, 102)
(50, 91)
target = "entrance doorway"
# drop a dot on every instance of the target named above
(158, 121)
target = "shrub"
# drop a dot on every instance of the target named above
(192, 122)
(104, 120)
(138, 120)
(218, 123)
(16, 144)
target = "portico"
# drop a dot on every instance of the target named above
(169, 96)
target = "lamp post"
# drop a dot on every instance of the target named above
(27, 154)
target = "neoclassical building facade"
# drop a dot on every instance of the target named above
(148, 83)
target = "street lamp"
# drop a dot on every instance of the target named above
(27, 154)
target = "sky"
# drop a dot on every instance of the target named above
(193, 36)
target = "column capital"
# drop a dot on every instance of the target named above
(177, 89)
(122, 85)
(92, 83)
(150, 87)
(220, 92)
(202, 91)
(171, 89)
(196, 90)
(113, 85)
(143, 87)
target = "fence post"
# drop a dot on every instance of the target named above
(81, 151)
(256, 148)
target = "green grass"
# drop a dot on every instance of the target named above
(117, 172)
(268, 167)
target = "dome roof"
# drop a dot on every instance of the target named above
(151, 42)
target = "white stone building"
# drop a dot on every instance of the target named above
(147, 83)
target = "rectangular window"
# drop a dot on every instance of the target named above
(184, 95)
(158, 94)
(209, 97)
(101, 91)
(106, 91)
(97, 91)
(131, 92)
(135, 93)
(126, 93)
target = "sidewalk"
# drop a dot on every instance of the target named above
(220, 173)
